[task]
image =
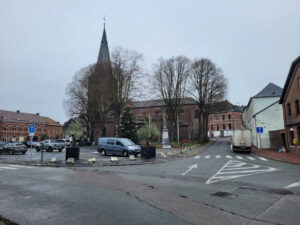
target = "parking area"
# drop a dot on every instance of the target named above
(32, 157)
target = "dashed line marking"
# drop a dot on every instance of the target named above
(228, 157)
(197, 157)
(251, 158)
(218, 156)
(239, 157)
(207, 157)
(263, 159)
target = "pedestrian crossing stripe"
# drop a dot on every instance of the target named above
(12, 167)
(235, 169)
(231, 157)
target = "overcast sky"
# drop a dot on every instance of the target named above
(43, 43)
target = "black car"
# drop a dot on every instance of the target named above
(12, 148)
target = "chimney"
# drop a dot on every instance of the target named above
(18, 111)
(37, 114)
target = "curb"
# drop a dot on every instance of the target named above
(200, 149)
(275, 158)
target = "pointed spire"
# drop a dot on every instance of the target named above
(103, 56)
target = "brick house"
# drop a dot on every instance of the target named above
(14, 126)
(290, 100)
(224, 119)
(188, 115)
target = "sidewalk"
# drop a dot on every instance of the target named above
(273, 154)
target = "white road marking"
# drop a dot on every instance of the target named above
(234, 169)
(8, 168)
(197, 157)
(293, 185)
(20, 166)
(218, 156)
(263, 159)
(96, 152)
(207, 157)
(250, 158)
(190, 168)
(228, 157)
(239, 157)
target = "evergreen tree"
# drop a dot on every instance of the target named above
(127, 127)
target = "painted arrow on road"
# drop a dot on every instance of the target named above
(293, 185)
(190, 168)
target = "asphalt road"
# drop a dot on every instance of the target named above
(185, 191)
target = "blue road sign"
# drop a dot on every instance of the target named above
(32, 128)
(259, 129)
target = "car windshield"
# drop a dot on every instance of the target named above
(127, 142)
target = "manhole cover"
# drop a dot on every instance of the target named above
(225, 195)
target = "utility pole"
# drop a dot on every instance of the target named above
(1, 118)
(177, 128)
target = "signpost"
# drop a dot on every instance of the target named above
(260, 130)
(31, 134)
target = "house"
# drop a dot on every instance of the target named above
(225, 118)
(290, 100)
(188, 115)
(14, 126)
(264, 114)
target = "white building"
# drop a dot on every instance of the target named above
(264, 110)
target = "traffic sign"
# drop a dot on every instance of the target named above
(31, 129)
(259, 129)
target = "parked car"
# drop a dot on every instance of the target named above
(50, 145)
(241, 140)
(117, 146)
(2, 143)
(13, 148)
(32, 143)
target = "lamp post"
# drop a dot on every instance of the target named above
(1, 118)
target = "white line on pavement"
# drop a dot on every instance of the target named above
(251, 158)
(207, 157)
(239, 157)
(293, 185)
(197, 157)
(20, 166)
(228, 157)
(8, 168)
(263, 159)
(190, 168)
(218, 156)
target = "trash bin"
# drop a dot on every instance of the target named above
(148, 152)
(72, 153)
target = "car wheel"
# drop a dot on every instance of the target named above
(233, 149)
(11, 152)
(60, 149)
(23, 153)
(37, 149)
(50, 149)
(103, 152)
(125, 153)
(135, 155)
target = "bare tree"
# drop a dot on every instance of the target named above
(90, 95)
(170, 76)
(126, 70)
(208, 86)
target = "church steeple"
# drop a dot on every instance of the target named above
(103, 56)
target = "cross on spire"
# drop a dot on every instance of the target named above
(104, 19)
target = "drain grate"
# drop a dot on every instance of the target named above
(225, 195)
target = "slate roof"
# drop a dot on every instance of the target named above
(159, 103)
(226, 106)
(289, 77)
(271, 90)
(103, 56)
(21, 117)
